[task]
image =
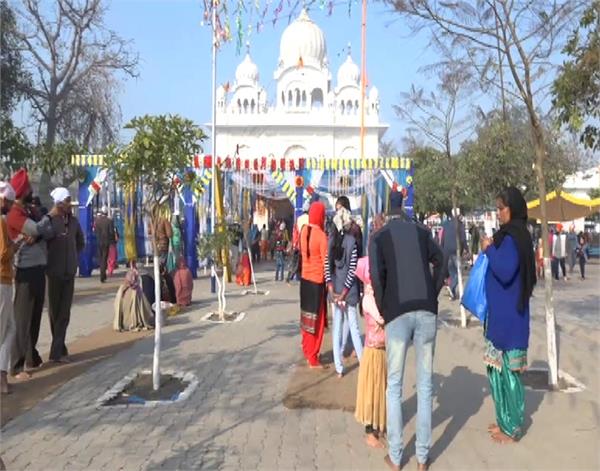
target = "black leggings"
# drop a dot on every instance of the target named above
(582, 266)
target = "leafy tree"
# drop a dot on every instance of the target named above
(14, 146)
(502, 154)
(432, 187)
(15, 149)
(159, 152)
(577, 88)
(14, 76)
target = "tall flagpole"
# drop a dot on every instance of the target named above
(214, 135)
(363, 77)
(214, 115)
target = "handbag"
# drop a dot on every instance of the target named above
(474, 298)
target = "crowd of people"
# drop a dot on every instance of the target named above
(38, 255)
(395, 287)
(566, 248)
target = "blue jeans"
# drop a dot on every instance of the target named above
(339, 317)
(418, 327)
(453, 272)
(279, 265)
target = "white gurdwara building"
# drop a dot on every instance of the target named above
(310, 116)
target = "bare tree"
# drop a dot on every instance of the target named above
(64, 47)
(91, 113)
(436, 116)
(525, 36)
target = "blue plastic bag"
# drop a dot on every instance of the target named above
(474, 298)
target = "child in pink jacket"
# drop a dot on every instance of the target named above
(372, 374)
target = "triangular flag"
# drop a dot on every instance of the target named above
(300, 62)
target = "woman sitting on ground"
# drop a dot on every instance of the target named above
(184, 283)
(132, 309)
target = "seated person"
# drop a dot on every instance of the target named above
(167, 287)
(184, 283)
(132, 309)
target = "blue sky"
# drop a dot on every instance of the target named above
(175, 55)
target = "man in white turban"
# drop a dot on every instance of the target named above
(7, 321)
(63, 257)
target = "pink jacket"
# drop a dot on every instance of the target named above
(374, 333)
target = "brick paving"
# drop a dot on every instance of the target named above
(236, 420)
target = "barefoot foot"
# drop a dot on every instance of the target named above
(493, 428)
(501, 437)
(394, 467)
(23, 375)
(372, 441)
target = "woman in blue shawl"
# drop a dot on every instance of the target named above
(509, 284)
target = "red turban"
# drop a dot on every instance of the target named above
(20, 183)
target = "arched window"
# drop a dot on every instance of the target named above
(239, 103)
(303, 98)
(245, 106)
(252, 106)
(342, 107)
(283, 98)
(290, 98)
(297, 98)
(316, 98)
(355, 106)
(348, 107)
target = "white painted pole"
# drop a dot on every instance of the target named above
(157, 323)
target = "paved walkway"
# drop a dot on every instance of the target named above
(236, 420)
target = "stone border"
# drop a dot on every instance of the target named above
(575, 386)
(206, 318)
(120, 386)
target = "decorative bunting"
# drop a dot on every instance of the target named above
(283, 164)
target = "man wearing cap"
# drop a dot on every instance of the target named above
(406, 292)
(63, 253)
(105, 236)
(30, 279)
(7, 321)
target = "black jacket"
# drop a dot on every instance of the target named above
(64, 247)
(400, 255)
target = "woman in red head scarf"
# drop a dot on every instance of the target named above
(313, 306)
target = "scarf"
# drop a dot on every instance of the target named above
(517, 229)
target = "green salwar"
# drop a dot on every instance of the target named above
(504, 373)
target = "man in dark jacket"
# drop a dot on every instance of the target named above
(63, 253)
(400, 257)
(105, 235)
(449, 247)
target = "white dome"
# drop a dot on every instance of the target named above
(348, 73)
(247, 72)
(374, 94)
(302, 39)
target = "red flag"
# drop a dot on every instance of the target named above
(282, 165)
(273, 165)
(263, 163)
